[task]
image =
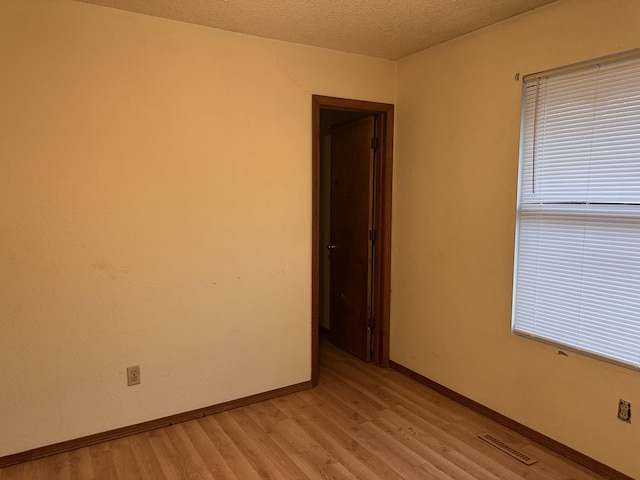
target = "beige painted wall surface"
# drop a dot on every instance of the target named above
(455, 185)
(155, 210)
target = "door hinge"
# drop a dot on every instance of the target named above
(371, 323)
(373, 234)
(374, 143)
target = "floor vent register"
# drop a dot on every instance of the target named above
(508, 449)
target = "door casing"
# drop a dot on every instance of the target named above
(382, 213)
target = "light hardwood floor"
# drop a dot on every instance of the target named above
(361, 422)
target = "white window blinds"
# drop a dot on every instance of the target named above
(577, 268)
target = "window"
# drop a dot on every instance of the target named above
(577, 265)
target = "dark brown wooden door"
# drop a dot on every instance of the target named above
(352, 158)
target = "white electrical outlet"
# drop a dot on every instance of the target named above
(133, 375)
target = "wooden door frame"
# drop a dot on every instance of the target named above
(382, 215)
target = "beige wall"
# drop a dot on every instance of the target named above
(155, 209)
(455, 180)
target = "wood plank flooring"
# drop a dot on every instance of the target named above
(361, 422)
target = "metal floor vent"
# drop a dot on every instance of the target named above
(506, 448)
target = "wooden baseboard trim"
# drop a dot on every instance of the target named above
(548, 442)
(146, 426)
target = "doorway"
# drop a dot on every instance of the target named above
(372, 332)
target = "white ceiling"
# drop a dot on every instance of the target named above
(381, 28)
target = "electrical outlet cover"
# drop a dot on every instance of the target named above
(133, 375)
(624, 411)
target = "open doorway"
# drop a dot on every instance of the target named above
(358, 136)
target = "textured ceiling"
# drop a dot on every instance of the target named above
(380, 28)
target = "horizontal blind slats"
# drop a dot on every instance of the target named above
(577, 272)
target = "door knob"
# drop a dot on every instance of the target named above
(331, 246)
